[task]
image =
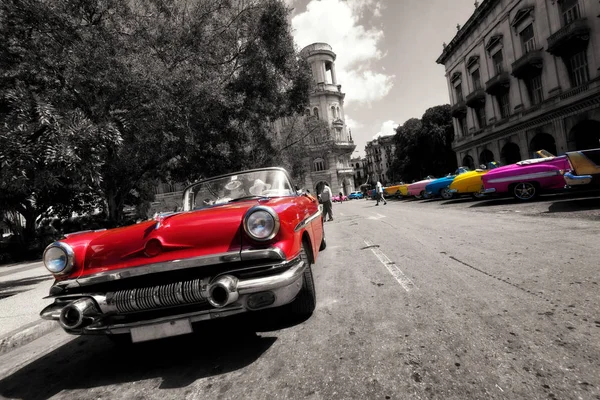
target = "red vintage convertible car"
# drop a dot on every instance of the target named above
(243, 242)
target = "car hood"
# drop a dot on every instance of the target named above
(213, 230)
(442, 181)
(470, 175)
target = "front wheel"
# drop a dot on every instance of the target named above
(446, 194)
(304, 304)
(524, 191)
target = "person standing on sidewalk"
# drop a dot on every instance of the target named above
(325, 198)
(379, 194)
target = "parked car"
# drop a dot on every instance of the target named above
(526, 179)
(244, 241)
(338, 198)
(417, 189)
(396, 190)
(584, 167)
(470, 182)
(439, 187)
(355, 195)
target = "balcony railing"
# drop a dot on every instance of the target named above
(327, 87)
(458, 109)
(498, 84)
(528, 65)
(476, 98)
(570, 38)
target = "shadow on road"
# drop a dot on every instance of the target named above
(217, 347)
(460, 200)
(11, 288)
(575, 205)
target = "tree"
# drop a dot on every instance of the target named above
(424, 147)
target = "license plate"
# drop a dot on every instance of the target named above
(161, 330)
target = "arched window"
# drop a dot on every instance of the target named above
(316, 112)
(307, 112)
(333, 112)
(319, 164)
(338, 112)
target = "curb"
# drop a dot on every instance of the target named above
(28, 333)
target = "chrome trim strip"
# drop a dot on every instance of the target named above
(573, 179)
(131, 272)
(519, 178)
(273, 253)
(309, 219)
(452, 190)
(489, 190)
(272, 282)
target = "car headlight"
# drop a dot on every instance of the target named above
(261, 223)
(58, 258)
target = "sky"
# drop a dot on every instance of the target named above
(386, 52)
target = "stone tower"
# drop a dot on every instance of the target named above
(329, 160)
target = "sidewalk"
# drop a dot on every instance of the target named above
(22, 291)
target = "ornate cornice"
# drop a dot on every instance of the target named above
(521, 15)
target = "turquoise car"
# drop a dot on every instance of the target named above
(439, 187)
(355, 195)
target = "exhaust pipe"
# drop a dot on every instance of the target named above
(78, 314)
(223, 291)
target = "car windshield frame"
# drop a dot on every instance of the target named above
(241, 185)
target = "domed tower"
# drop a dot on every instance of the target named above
(329, 161)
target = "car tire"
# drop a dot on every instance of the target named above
(323, 245)
(420, 195)
(304, 304)
(524, 191)
(446, 195)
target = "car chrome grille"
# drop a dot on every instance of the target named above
(149, 298)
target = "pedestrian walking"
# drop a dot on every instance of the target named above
(325, 198)
(341, 197)
(379, 194)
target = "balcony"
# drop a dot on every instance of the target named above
(498, 84)
(476, 98)
(328, 88)
(530, 64)
(459, 109)
(570, 39)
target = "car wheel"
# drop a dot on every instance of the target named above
(425, 195)
(445, 193)
(524, 191)
(323, 242)
(304, 304)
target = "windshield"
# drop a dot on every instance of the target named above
(243, 185)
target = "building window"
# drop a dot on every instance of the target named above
(476, 77)
(534, 86)
(316, 112)
(528, 39)
(319, 165)
(458, 91)
(498, 61)
(504, 105)
(307, 112)
(333, 112)
(462, 125)
(578, 68)
(570, 11)
(480, 115)
(358, 174)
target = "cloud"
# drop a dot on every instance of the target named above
(388, 128)
(336, 22)
(353, 124)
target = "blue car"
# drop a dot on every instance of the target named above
(439, 187)
(355, 195)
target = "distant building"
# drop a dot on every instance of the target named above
(379, 159)
(360, 175)
(523, 76)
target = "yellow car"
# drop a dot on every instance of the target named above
(396, 190)
(469, 183)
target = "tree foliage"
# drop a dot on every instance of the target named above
(424, 146)
(100, 98)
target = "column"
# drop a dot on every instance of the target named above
(333, 76)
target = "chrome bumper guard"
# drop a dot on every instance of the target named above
(488, 191)
(90, 313)
(453, 191)
(573, 180)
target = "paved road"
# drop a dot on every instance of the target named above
(416, 300)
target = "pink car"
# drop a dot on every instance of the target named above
(526, 179)
(417, 189)
(338, 199)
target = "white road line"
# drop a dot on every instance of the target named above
(402, 279)
(380, 215)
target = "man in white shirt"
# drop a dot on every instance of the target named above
(379, 193)
(325, 197)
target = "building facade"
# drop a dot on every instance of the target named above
(329, 159)
(523, 75)
(360, 175)
(379, 158)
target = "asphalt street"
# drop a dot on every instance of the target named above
(416, 300)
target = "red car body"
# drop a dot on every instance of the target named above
(188, 266)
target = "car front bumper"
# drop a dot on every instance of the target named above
(488, 191)
(193, 301)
